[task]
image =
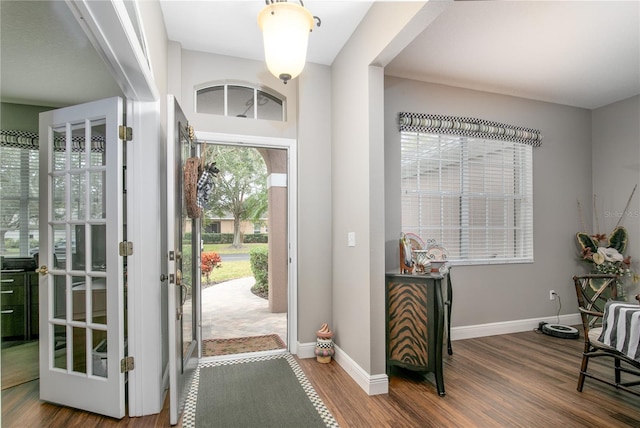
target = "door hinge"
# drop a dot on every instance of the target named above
(127, 364)
(125, 248)
(125, 132)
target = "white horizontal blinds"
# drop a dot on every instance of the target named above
(496, 200)
(471, 195)
(431, 187)
(19, 194)
(18, 200)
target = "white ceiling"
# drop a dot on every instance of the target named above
(579, 53)
(231, 27)
(46, 59)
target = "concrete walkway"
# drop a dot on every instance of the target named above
(230, 309)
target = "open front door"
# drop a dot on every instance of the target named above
(183, 238)
(81, 271)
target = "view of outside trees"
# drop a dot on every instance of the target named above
(240, 188)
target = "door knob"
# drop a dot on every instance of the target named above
(163, 277)
(43, 270)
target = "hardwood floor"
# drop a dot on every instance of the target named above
(22, 359)
(516, 380)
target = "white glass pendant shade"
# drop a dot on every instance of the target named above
(285, 29)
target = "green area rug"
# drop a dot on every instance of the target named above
(264, 392)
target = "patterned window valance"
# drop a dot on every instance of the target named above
(468, 126)
(30, 141)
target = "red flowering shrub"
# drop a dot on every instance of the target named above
(209, 261)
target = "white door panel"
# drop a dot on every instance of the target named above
(81, 274)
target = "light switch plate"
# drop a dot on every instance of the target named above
(351, 239)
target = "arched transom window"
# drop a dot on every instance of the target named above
(241, 101)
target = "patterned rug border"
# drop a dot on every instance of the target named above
(189, 416)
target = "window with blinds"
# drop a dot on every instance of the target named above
(18, 201)
(473, 196)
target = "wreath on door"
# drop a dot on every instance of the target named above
(191, 187)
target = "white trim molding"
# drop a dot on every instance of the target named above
(291, 146)
(371, 384)
(506, 327)
(108, 26)
(276, 180)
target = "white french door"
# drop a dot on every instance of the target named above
(82, 340)
(183, 238)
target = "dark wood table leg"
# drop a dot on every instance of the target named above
(449, 304)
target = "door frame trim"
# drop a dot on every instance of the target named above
(108, 26)
(289, 144)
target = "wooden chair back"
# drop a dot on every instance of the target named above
(593, 292)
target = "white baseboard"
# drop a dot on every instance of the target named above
(379, 384)
(506, 327)
(165, 379)
(306, 350)
(371, 384)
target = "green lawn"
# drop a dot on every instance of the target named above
(229, 270)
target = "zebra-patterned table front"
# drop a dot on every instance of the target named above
(415, 323)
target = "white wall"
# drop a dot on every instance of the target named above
(356, 162)
(314, 201)
(562, 174)
(616, 170)
(199, 68)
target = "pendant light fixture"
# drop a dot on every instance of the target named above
(285, 29)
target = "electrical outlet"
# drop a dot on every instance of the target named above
(552, 294)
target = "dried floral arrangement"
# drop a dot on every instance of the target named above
(605, 253)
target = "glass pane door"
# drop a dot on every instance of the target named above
(182, 262)
(81, 286)
(77, 231)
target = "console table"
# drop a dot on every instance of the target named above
(416, 306)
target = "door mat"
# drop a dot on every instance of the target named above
(240, 345)
(266, 392)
